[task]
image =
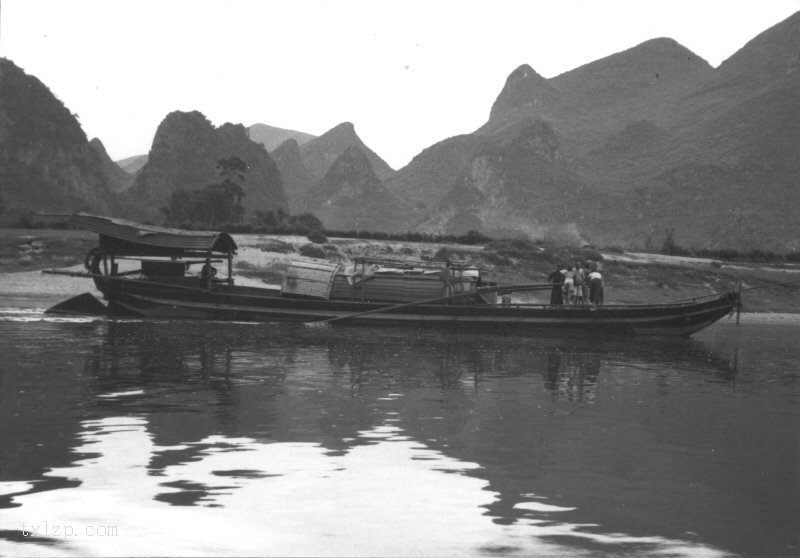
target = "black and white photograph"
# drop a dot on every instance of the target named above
(400, 278)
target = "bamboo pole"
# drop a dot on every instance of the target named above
(479, 290)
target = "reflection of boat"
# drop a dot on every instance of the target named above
(370, 291)
(191, 392)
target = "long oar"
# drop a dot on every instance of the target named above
(479, 290)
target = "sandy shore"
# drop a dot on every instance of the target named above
(686, 261)
(36, 283)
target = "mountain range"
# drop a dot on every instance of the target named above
(627, 147)
(624, 150)
(46, 162)
(271, 137)
(184, 155)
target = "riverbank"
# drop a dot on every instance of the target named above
(630, 278)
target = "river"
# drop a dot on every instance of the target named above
(188, 438)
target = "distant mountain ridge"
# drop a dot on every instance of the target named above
(616, 151)
(271, 137)
(304, 166)
(507, 182)
(184, 155)
(652, 134)
(132, 164)
(46, 162)
(296, 178)
(116, 178)
(351, 196)
(320, 153)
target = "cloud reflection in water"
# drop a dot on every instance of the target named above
(389, 496)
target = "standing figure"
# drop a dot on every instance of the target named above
(581, 290)
(569, 286)
(207, 274)
(557, 280)
(595, 287)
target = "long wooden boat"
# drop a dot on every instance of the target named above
(146, 271)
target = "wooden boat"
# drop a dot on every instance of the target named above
(147, 271)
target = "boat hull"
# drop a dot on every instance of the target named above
(232, 303)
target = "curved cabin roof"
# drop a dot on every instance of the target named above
(120, 236)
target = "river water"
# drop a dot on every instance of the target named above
(140, 438)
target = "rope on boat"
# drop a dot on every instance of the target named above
(694, 298)
(775, 284)
(739, 289)
(738, 305)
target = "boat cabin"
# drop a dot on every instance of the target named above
(174, 256)
(171, 257)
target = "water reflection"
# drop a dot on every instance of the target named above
(294, 499)
(572, 376)
(134, 353)
(450, 443)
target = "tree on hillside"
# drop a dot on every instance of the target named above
(214, 205)
(217, 204)
(230, 167)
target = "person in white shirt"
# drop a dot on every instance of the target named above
(595, 287)
(569, 287)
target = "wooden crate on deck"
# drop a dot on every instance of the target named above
(309, 279)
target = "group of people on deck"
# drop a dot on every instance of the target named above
(575, 285)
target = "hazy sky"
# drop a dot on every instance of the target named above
(407, 73)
